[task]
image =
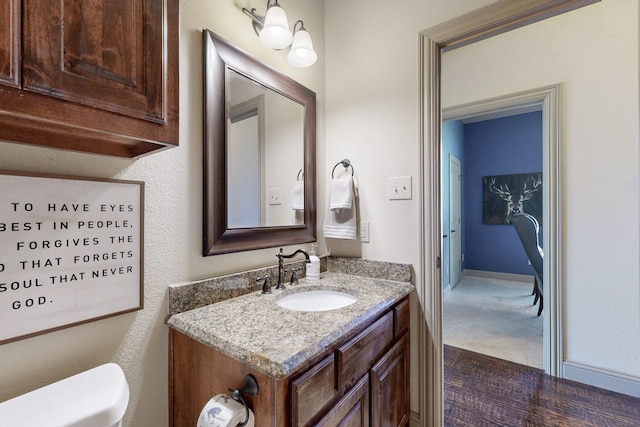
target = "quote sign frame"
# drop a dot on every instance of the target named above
(71, 251)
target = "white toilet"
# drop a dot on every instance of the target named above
(94, 398)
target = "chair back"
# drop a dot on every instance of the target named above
(528, 228)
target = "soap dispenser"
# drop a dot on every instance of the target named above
(313, 267)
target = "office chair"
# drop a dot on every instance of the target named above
(527, 228)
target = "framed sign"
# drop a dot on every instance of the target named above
(71, 251)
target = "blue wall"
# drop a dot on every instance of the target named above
(452, 143)
(509, 145)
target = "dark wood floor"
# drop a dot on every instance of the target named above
(484, 391)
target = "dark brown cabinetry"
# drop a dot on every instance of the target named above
(361, 380)
(352, 410)
(10, 43)
(390, 388)
(98, 76)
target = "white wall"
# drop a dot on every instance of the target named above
(593, 53)
(372, 79)
(372, 88)
(173, 231)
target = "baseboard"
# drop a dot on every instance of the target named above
(414, 420)
(601, 378)
(500, 276)
(447, 289)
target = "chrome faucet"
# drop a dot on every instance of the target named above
(281, 256)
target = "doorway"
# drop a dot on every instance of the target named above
(491, 310)
(497, 18)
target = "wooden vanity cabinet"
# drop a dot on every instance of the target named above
(97, 76)
(362, 380)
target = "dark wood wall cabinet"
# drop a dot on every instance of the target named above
(361, 380)
(98, 76)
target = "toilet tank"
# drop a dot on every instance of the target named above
(94, 398)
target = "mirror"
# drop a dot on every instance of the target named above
(259, 153)
(265, 154)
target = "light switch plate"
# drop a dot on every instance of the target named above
(400, 188)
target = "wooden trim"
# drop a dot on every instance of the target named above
(219, 56)
(497, 18)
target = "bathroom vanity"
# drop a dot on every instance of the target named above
(346, 366)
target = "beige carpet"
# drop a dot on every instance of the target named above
(494, 317)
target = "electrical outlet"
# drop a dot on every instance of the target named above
(275, 196)
(364, 231)
(400, 188)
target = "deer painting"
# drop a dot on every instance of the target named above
(506, 195)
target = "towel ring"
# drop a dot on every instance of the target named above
(298, 177)
(345, 163)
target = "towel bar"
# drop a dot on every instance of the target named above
(345, 163)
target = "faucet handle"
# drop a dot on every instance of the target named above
(294, 276)
(266, 286)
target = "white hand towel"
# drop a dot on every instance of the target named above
(341, 196)
(297, 202)
(340, 223)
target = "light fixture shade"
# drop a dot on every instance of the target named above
(302, 53)
(275, 33)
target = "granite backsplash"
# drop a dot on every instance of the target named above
(187, 296)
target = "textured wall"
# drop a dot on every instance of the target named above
(173, 230)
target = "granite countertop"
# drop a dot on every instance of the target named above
(254, 330)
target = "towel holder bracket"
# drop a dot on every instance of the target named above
(346, 163)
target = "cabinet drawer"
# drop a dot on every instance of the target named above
(401, 318)
(311, 392)
(352, 410)
(356, 356)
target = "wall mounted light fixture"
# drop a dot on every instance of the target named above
(273, 31)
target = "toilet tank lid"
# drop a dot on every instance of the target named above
(94, 398)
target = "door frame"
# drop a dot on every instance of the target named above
(546, 99)
(494, 19)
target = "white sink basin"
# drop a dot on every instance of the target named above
(316, 300)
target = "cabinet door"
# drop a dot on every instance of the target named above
(10, 42)
(106, 54)
(98, 76)
(312, 392)
(390, 387)
(357, 355)
(352, 410)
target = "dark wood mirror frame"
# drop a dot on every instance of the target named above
(219, 56)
